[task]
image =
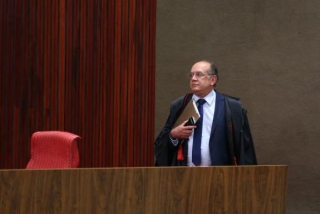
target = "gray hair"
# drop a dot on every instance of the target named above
(213, 69)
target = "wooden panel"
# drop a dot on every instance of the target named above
(87, 67)
(251, 189)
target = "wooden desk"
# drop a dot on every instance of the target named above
(150, 190)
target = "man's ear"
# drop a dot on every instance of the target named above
(213, 80)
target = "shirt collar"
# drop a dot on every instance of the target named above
(210, 98)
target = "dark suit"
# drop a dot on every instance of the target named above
(225, 143)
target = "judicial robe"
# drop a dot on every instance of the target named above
(230, 142)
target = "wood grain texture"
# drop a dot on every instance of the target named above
(187, 190)
(86, 67)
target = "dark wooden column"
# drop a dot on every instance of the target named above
(83, 66)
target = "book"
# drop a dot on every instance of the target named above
(190, 112)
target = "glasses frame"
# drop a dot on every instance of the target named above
(198, 75)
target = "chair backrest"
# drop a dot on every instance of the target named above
(54, 149)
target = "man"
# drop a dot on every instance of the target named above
(222, 134)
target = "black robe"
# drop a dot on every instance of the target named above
(240, 144)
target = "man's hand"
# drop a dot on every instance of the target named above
(182, 131)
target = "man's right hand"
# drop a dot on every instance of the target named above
(182, 131)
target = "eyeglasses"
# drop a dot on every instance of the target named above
(198, 75)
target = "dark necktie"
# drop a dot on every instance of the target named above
(196, 149)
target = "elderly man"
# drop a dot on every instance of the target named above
(222, 134)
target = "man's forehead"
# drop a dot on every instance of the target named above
(200, 67)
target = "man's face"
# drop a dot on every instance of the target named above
(201, 82)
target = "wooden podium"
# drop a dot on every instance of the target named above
(149, 190)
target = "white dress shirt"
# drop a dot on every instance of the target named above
(208, 113)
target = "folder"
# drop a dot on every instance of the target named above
(190, 111)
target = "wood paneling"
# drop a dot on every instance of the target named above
(250, 189)
(83, 66)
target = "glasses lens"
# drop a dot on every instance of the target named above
(198, 75)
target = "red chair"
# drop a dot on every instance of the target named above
(54, 149)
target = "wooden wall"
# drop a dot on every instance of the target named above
(83, 66)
